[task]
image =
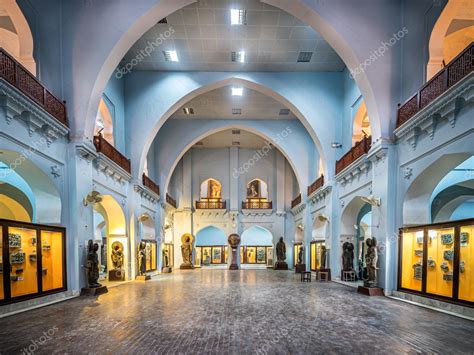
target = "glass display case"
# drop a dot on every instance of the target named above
(211, 255)
(296, 251)
(150, 255)
(435, 260)
(258, 254)
(167, 255)
(33, 260)
(315, 255)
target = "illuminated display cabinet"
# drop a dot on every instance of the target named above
(211, 255)
(437, 261)
(315, 253)
(251, 254)
(32, 260)
(150, 255)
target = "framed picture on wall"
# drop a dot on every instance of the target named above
(253, 189)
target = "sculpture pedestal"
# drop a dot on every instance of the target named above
(166, 270)
(186, 267)
(233, 265)
(116, 275)
(299, 268)
(94, 291)
(370, 291)
(280, 265)
(325, 270)
(143, 278)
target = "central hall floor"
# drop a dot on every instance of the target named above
(235, 312)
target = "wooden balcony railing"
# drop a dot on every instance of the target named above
(147, 182)
(104, 147)
(457, 69)
(358, 150)
(18, 76)
(257, 205)
(171, 200)
(296, 201)
(316, 185)
(206, 205)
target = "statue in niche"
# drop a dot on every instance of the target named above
(253, 189)
(141, 258)
(117, 255)
(166, 259)
(214, 189)
(92, 265)
(347, 256)
(281, 250)
(187, 251)
(323, 257)
(371, 258)
(301, 255)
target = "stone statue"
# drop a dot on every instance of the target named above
(92, 265)
(141, 258)
(323, 257)
(187, 251)
(166, 260)
(347, 256)
(117, 255)
(301, 255)
(281, 250)
(371, 258)
(281, 255)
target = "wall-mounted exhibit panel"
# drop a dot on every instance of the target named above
(317, 255)
(32, 260)
(436, 260)
(258, 255)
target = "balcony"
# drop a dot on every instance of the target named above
(257, 204)
(316, 185)
(149, 183)
(211, 204)
(171, 201)
(296, 201)
(359, 149)
(104, 147)
(457, 69)
(18, 76)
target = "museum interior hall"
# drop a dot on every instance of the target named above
(236, 176)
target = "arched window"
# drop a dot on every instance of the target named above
(104, 122)
(211, 189)
(361, 126)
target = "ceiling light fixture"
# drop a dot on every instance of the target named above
(238, 17)
(336, 145)
(238, 56)
(171, 56)
(237, 91)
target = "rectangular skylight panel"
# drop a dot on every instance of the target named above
(171, 56)
(237, 91)
(238, 17)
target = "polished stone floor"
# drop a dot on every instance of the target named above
(240, 312)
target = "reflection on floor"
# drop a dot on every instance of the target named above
(211, 311)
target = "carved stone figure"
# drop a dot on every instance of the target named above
(323, 257)
(92, 265)
(141, 258)
(187, 251)
(301, 255)
(117, 255)
(166, 259)
(347, 256)
(281, 250)
(371, 258)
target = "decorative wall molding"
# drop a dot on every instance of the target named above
(320, 194)
(379, 150)
(257, 212)
(445, 107)
(298, 209)
(86, 151)
(210, 212)
(146, 193)
(354, 171)
(109, 168)
(18, 106)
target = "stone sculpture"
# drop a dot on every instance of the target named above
(347, 256)
(117, 255)
(92, 265)
(323, 257)
(300, 255)
(187, 251)
(371, 258)
(281, 255)
(141, 258)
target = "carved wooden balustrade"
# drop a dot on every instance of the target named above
(147, 182)
(457, 69)
(206, 205)
(104, 147)
(296, 201)
(171, 200)
(18, 76)
(257, 205)
(316, 185)
(359, 149)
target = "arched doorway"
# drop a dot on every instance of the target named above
(111, 235)
(256, 248)
(211, 249)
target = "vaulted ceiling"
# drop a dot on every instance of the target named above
(204, 40)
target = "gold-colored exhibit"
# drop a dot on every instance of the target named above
(23, 261)
(440, 262)
(256, 255)
(316, 255)
(52, 260)
(412, 260)
(466, 264)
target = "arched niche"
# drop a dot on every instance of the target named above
(361, 124)
(257, 188)
(104, 122)
(146, 227)
(320, 228)
(453, 31)
(210, 189)
(37, 188)
(256, 235)
(13, 210)
(210, 235)
(16, 36)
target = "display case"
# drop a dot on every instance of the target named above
(168, 255)
(436, 260)
(150, 255)
(33, 260)
(315, 255)
(296, 251)
(211, 255)
(258, 254)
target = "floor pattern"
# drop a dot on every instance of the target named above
(234, 312)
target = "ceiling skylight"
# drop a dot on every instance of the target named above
(238, 17)
(238, 56)
(171, 56)
(237, 91)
